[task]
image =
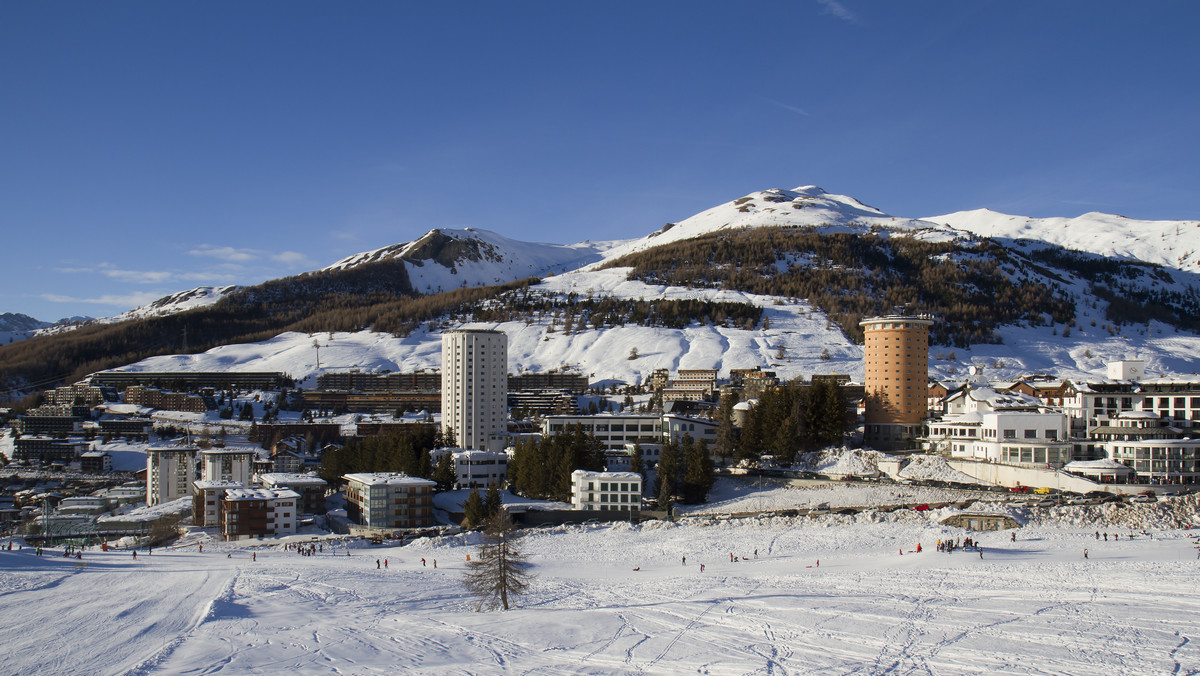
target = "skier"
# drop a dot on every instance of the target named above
(376, 564)
(685, 560)
(385, 563)
(422, 562)
(1085, 552)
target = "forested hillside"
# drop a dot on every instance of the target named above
(851, 275)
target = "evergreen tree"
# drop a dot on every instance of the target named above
(698, 472)
(666, 474)
(637, 463)
(493, 503)
(474, 512)
(725, 433)
(443, 473)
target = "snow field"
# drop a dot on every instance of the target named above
(1033, 606)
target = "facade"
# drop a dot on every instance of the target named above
(48, 449)
(475, 387)
(227, 464)
(606, 490)
(1010, 428)
(389, 500)
(95, 462)
(676, 427)
(475, 469)
(206, 502)
(247, 513)
(164, 400)
(310, 488)
(896, 360)
(614, 431)
(170, 474)
(1157, 453)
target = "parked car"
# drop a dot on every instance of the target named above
(1019, 489)
(1042, 490)
(1143, 497)
(921, 508)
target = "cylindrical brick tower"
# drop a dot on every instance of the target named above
(896, 355)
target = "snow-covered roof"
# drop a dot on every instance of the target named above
(208, 484)
(388, 479)
(290, 478)
(260, 493)
(620, 476)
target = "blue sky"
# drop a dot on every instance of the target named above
(151, 147)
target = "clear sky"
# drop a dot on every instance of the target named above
(151, 147)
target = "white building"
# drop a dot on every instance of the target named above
(389, 500)
(475, 469)
(983, 424)
(606, 490)
(1157, 453)
(613, 430)
(227, 464)
(475, 387)
(170, 474)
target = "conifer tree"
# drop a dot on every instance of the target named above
(443, 473)
(493, 503)
(499, 569)
(666, 474)
(474, 512)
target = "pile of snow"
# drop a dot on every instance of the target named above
(933, 468)
(843, 462)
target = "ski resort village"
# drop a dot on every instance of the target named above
(790, 434)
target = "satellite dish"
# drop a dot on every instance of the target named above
(974, 370)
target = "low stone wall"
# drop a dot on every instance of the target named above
(1011, 475)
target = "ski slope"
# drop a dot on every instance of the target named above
(1034, 606)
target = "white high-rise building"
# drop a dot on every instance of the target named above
(475, 387)
(170, 473)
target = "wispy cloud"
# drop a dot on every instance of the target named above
(837, 9)
(292, 258)
(227, 253)
(113, 272)
(781, 104)
(120, 300)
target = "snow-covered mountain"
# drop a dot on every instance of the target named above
(444, 259)
(1174, 244)
(805, 206)
(798, 340)
(178, 302)
(15, 326)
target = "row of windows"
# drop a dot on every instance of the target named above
(1035, 455)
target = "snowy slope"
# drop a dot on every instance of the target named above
(445, 259)
(178, 302)
(15, 326)
(806, 206)
(802, 332)
(830, 595)
(1171, 243)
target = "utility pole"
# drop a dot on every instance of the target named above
(317, 347)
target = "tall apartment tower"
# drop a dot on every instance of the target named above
(896, 358)
(475, 387)
(170, 473)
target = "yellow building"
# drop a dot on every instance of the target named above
(896, 356)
